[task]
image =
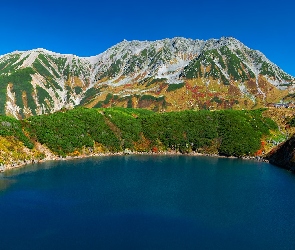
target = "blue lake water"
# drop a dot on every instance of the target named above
(148, 202)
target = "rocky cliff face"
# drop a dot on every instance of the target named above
(284, 155)
(170, 74)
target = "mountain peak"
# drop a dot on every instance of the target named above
(168, 74)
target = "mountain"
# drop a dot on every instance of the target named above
(169, 74)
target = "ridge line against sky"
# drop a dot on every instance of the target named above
(87, 28)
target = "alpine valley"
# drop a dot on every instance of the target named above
(165, 75)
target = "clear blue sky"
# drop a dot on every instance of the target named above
(89, 27)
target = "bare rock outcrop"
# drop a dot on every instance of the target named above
(283, 155)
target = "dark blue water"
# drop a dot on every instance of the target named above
(148, 202)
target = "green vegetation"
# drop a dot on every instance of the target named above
(129, 102)
(159, 102)
(43, 95)
(194, 69)
(267, 70)
(77, 69)
(150, 98)
(173, 87)
(291, 122)
(106, 101)
(42, 70)
(216, 99)
(113, 70)
(8, 66)
(230, 62)
(81, 130)
(65, 132)
(21, 81)
(205, 59)
(60, 62)
(240, 133)
(227, 132)
(155, 80)
(78, 90)
(129, 127)
(12, 127)
(48, 65)
(181, 131)
(135, 62)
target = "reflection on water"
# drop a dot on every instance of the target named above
(6, 178)
(5, 183)
(35, 167)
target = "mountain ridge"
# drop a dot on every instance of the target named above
(92, 58)
(167, 74)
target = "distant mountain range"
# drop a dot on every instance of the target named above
(164, 75)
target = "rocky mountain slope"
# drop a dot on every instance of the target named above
(169, 74)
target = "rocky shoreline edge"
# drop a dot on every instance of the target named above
(20, 164)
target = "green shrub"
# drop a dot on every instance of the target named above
(173, 87)
(12, 127)
(228, 132)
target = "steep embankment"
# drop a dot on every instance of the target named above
(84, 131)
(284, 155)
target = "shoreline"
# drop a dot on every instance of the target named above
(22, 164)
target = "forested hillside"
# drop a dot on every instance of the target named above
(83, 131)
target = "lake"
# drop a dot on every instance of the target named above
(148, 202)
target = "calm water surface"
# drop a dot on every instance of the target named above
(148, 202)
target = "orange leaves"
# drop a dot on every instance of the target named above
(260, 151)
(155, 150)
